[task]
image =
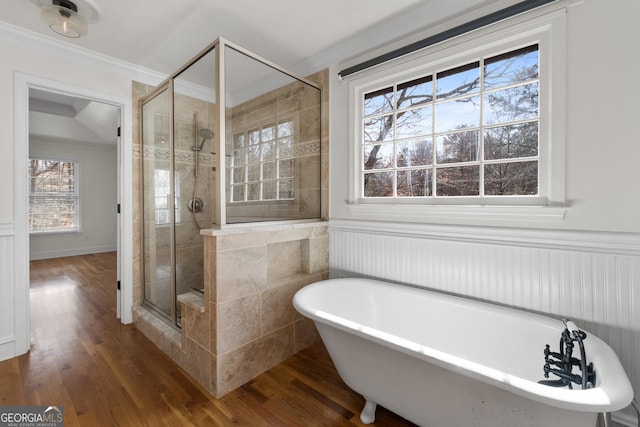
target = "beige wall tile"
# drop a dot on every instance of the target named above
(242, 364)
(305, 334)
(241, 272)
(284, 260)
(277, 309)
(239, 322)
(197, 326)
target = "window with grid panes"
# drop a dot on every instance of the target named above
(470, 130)
(262, 163)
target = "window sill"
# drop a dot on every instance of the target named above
(457, 213)
(54, 233)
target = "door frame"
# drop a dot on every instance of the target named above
(24, 82)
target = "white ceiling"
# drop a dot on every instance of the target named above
(58, 117)
(162, 35)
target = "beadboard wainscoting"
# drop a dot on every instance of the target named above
(7, 291)
(592, 278)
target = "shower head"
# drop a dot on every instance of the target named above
(204, 134)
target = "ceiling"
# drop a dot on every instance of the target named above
(163, 35)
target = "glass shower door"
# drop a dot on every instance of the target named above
(158, 211)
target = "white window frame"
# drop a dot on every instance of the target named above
(277, 158)
(545, 28)
(76, 196)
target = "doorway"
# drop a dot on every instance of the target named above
(24, 84)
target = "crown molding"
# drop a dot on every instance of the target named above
(18, 36)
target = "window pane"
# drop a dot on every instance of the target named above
(285, 189)
(238, 141)
(285, 129)
(285, 168)
(238, 174)
(415, 92)
(508, 105)
(458, 81)
(268, 151)
(458, 114)
(378, 184)
(378, 102)
(458, 181)
(285, 148)
(412, 123)
(378, 129)
(511, 68)
(508, 142)
(238, 193)
(414, 153)
(269, 190)
(254, 137)
(253, 191)
(508, 179)
(269, 170)
(162, 202)
(253, 154)
(239, 157)
(378, 156)
(253, 172)
(268, 133)
(51, 213)
(414, 183)
(458, 147)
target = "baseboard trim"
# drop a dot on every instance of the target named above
(70, 252)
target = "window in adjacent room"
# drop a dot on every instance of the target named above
(53, 196)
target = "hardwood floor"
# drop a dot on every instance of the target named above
(107, 374)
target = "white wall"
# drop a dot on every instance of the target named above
(601, 141)
(97, 184)
(585, 265)
(29, 59)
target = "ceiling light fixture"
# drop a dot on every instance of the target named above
(63, 18)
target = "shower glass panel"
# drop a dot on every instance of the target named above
(156, 203)
(194, 161)
(272, 123)
(265, 124)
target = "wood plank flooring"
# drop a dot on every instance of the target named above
(108, 374)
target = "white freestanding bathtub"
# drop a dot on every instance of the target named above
(439, 360)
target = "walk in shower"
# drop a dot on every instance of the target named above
(229, 139)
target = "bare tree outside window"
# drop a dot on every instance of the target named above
(467, 131)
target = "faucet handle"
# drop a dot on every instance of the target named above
(547, 352)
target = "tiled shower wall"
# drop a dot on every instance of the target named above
(299, 103)
(251, 276)
(591, 278)
(237, 330)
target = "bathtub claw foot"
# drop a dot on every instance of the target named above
(368, 414)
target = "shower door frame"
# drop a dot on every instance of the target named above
(167, 86)
(220, 196)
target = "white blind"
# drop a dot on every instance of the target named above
(53, 195)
